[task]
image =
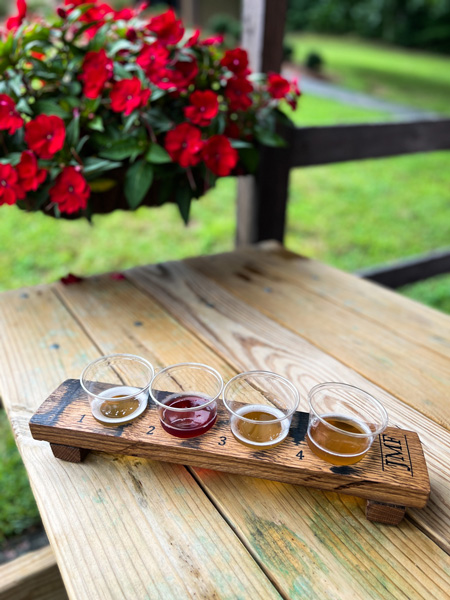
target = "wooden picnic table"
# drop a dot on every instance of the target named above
(132, 528)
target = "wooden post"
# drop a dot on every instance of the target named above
(258, 206)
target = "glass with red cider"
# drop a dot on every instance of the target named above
(186, 396)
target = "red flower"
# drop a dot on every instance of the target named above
(97, 68)
(237, 91)
(167, 28)
(70, 278)
(10, 188)
(14, 23)
(10, 120)
(204, 107)
(212, 41)
(236, 61)
(29, 173)
(125, 14)
(193, 39)
(127, 95)
(278, 87)
(180, 77)
(152, 58)
(232, 130)
(97, 15)
(71, 191)
(45, 135)
(219, 155)
(184, 144)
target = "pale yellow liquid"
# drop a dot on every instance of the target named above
(118, 405)
(259, 433)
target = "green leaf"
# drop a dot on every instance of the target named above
(96, 124)
(24, 107)
(138, 180)
(124, 149)
(240, 144)
(81, 143)
(50, 107)
(13, 159)
(129, 122)
(157, 155)
(122, 45)
(73, 131)
(269, 138)
(102, 185)
(183, 198)
(93, 167)
(250, 158)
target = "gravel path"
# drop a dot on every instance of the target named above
(324, 89)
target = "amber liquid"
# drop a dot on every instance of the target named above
(259, 432)
(117, 405)
(337, 447)
(118, 410)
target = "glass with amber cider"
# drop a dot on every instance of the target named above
(261, 405)
(118, 387)
(343, 422)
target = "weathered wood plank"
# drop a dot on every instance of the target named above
(406, 318)
(65, 419)
(420, 378)
(258, 217)
(252, 341)
(340, 143)
(120, 527)
(33, 576)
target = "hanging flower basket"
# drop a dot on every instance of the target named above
(103, 110)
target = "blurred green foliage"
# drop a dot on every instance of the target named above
(414, 78)
(18, 509)
(414, 23)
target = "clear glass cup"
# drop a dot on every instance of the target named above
(343, 422)
(186, 396)
(261, 405)
(118, 387)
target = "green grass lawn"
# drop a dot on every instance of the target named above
(409, 77)
(18, 509)
(350, 215)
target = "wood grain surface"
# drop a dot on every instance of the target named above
(136, 528)
(393, 471)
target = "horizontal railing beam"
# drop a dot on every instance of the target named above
(395, 275)
(340, 143)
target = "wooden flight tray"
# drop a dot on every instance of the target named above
(393, 475)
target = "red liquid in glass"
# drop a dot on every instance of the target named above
(190, 423)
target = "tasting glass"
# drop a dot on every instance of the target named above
(186, 396)
(117, 386)
(261, 405)
(343, 422)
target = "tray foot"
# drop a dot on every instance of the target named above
(69, 453)
(380, 512)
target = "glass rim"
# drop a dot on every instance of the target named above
(377, 403)
(119, 355)
(272, 374)
(199, 366)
